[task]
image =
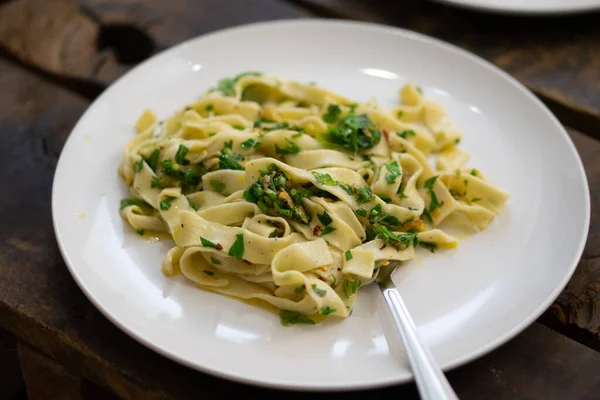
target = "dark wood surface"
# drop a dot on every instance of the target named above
(50, 70)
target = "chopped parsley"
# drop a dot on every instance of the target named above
(297, 135)
(427, 215)
(457, 141)
(400, 241)
(319, 292)
(326, 310)
(166, 203)
(348, 254)
(208, 243)
(248, 144)
(434, 200)
(393, 172)
(209, 273)
(140, 232)
(139, 165)
(327, 230)
(419, 90)
(290, 148)
(215, 261)
(180, 155)
(131, 202)
(406, 133)
(362, 212)
(155, 182)
(333, 113)
(325, 218)
(209, 107)
(237, 249)
(354, 133)
(350, 286)
(324, 179)
(475, 199)
(474, 172)
(277, 126)
(430, 246)
(152, 161)
(377, 215)
(299, 289)
(217, 186)
(227, 85)
(293, 317)
(228, 159)
(363, 194)
(399, 114)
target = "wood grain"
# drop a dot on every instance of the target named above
(41, 304)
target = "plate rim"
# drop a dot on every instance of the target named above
(333, 386)
(524, 11)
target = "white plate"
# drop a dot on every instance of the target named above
(529, 6)
(465, 302)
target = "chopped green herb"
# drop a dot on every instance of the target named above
(140, 232)
(247, 144)
(209, 107)
(290, 148)
(277, 126)
(399, 114)
(327, 310)
(169, 168)
(228, 160)
(354, 133)
(153, 159)
(166, 203)
(333, 113)
(297, 135)
(430, 246)
(377, 215)
(208, 243)
(209, 273)
(474, 172)
(419, 90)
(217, 186)
(324, 218)
(396, 241)
(427, 215)
(324, 179)
(319, 292)
(215, 261)
(237, 249)
(228, 144)
(327, 230)
(239, 127)
(475, 199)
(457, 141)
(191, 178)
(299, 289)
(406, 133)
(139, 165)
(180, 155)
(362, 212)
(350, 287)
(348, 254)
(434, 200)
(130, 202)
(387, 199)
(312, 83)
(293, 317)
(155, 182)
(227, 85)
(363, 194)
(393, 172)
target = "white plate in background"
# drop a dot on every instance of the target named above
(465, 302)
(530, 7)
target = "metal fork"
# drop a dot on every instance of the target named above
(431, 381)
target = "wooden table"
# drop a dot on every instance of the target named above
(56, 56)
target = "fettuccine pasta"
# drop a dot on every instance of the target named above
(290, 194)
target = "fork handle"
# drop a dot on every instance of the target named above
(431, 381)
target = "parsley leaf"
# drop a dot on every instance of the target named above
(363, 194)
(209, 273)
(319, 292)
(215, 261)
(406, 133)
(333, 113)
(327, 230)
(130, 202)
(217, 186)
(348, 254)
(362, 212)
(350, 286)
(209, 107)
(393, 172)
(247, 144)
(474, 172)
(208, 243)
(325, 218)
(227, 160)
(324, 179)
(227, 85)
(299, 289)
(180, 155)
(166, 203)
(396, 241)
(290, 148)
(354, 133)
(434, 200)
(155, 182)
(153, 159)
(474, 199)
(237, 249)
(139, 165)
(293, 317)
(140, 232)
(326, 310)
